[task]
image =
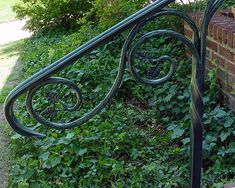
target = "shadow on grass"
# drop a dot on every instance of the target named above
(11, 49)
(10, 62)
(10, 76)
(11, 82)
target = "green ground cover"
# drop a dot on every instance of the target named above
(140, 140)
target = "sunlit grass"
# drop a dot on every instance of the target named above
(9, 67)
(11, 49)
(6, 12)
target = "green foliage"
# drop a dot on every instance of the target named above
(6, 13)
(44, 14)
(141, 139)
(199, 5)
(67, 14)
(228, 3)
(110, 12)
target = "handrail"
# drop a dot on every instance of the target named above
(71, 58)
(128, 53)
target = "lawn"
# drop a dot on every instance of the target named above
(6, 13)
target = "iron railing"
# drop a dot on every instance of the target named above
(128, 53)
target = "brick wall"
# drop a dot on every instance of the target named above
(221, 48)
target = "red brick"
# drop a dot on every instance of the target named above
(221, 82)
(197, 21)
(222, 49)
(220, 61)
(212, 45)
(218, 30)
(226, 53)
(230, 31)
(220, 34)
(225, 95)
(210, 30)
(215, 18)
(230, 39)
(230, 88)
(223, 75)
(200, 21)
(212, 24)
(194, 14)
(231, 101)
(231, 79)
(188, 33)
(218, 27)
(209, 64)
(225, 36)
(215, 32)
(225, 23)
(234, 40)
(208, 53)
(231, 67)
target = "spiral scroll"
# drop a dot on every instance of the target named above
(53, 98)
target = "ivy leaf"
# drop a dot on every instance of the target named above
(70, 135)
(44, 156)
(81, 152)
(228, 122)
(63, 141)
(23, 184)
(186, 141)
(177, 132)
(171, 127)
(55, 160)
(224, 135)
(219, 113)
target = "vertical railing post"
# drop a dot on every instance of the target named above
(197, 88)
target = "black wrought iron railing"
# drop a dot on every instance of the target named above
(128, 53)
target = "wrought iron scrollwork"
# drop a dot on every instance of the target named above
(157, 61)
(129, 54)
(53, 97)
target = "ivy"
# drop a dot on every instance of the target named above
(140, 140)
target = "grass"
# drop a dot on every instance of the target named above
(6, 12)
(4, 152)
(9, 56)
(9, 64)
(11, 49)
